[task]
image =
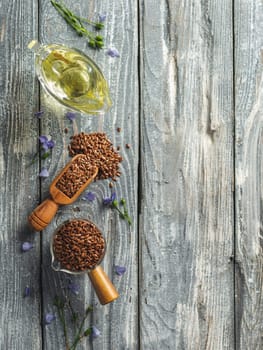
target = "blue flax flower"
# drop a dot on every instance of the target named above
(102, 17)
(27, 292)
(95, 333)
(109, 200)
(49, 318)
(89, 196)
(39, 114)
(26, 246)
(71, 116)
(46, 143)
(73, 287)
(113, 52)
(120, 270)
(44, 173)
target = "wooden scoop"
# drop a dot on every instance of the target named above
(45, 212)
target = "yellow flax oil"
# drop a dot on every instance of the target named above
(72, 78)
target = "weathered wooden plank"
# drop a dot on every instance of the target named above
(20, 319)
(186, 226)
(117, 322)
(248, 114)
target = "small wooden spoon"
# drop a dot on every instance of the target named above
(45, 212)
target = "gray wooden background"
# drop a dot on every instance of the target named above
(187, 92)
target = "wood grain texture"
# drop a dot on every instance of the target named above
(186, 223)
(118, 321)
(193, 146)
(18, 182)
(249, 171)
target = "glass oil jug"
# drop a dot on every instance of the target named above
(72, 78)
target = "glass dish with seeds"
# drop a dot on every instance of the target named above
(77, 246)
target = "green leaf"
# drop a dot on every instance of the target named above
(89, 309)
(99, 26)
(58, 302)
(87, 332)
(45, 155)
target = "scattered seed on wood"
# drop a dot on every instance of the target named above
(66, 130)
(76, 209)
(78, 245)
(99, 151)
(127, 146)
(119, 129)
(111, 185)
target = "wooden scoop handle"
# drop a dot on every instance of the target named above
(104, 289)
(43, 214)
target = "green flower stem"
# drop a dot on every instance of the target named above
(123, 202)
(95, 41)
(79, 336)
(61, 315)
(73, 314)
(65, 329)
(45, 155)
(97, 25)
(123, 214)
(34, 159)
(115, 205)
(61, 306)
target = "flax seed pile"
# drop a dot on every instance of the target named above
(76, 176)
(78, 245)
(99, 151)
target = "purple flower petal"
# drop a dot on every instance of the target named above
(95, 333)
(89, 196)
(102, 17)
(74, 287)
(44, 173)
(113, 196)
(27, 292)
(44, 146)
(43, 139)
(49, 318)
(26, 246)
(39, 114)
(50, 144)
(71, 116)
(109, 200)
(113, 52)
(46, 143)
(120, 270)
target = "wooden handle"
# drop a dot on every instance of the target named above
(43, 214)
(104, 289)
